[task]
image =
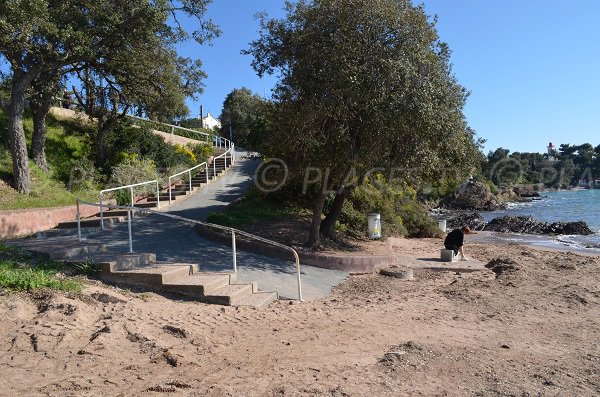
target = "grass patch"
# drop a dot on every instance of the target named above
(251, 209)
(66, 141)
(23, 271)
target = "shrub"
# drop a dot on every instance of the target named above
(133, 170)
(186, 151)
(401, 213)
(202, 151)
(146, 145)
(82, 175)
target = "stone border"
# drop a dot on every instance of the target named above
(15, 223)
(348, 263)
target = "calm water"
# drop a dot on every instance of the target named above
(563, 206)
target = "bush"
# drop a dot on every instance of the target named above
(186, 151)
(82, 175)
(145, 144)
(202, 151)
(401, 213)
(416, 220)
(133, 170)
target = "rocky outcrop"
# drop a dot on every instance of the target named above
(471, 219)
(527, 224)
(525, 191)
(472, 196)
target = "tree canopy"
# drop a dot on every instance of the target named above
(362, 84)
(243, 115)
(41, 36)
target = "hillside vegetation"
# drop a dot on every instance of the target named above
(67, 144)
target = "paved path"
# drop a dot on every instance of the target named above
(177, 241)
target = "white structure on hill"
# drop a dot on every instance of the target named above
(210, 122)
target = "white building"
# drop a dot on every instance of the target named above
(210, 122)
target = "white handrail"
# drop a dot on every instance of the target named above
(189, 171)
(218, 142)
(212, 225)
(171, 126)
(130, 187)
(231, 152)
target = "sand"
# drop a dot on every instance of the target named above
(531, 328)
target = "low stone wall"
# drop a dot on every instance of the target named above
(17, 223)
(349, 263)
(175, 139)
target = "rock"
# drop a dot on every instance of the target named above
(500, 265)
(579, 228)
(515, 224)
(525, 191)
(526, 224)
(473, 220)
(472, 196)
(406, 274)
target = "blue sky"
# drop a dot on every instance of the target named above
(532, 67)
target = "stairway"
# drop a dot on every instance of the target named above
(143, 271)
(178, 192)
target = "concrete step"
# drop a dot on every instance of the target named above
(258, 299)
(70, 250)
(164, 198)
(115, 262)
(121, 212)
(66, 232)
(148, 276)
(185, 187)
(198, 285)
(92, 222)
(145, 205)
(229, 295)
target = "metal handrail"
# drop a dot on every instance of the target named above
(131, 189)
(220, 141)
(212, 225)
(231, 152)
(189, 171)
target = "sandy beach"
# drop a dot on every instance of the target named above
(532, 327)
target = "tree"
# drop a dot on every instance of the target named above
(242, 114)
(362, 84)
(42, 36)
(44, 88)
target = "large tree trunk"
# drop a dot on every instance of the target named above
(314, 240)
(106, 123)
(38, 141)
(18, 145)
(328, 224)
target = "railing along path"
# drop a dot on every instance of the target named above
(233, 232)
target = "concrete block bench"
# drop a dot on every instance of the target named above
(448, 255)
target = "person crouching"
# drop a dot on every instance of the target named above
(455, 239)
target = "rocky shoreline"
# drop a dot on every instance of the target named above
(477, 196)
(518, 224)
(461, 209)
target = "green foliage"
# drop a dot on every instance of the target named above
(83, 175)
(201, 151)
(561, 168)
(21, 271)
(187, 152)
(366, 78)
(245, 113)
(67, 143)
(252, 208)
(132, 170)
(401, 214)
(144, 144)
(416, 220)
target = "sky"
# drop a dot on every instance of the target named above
(532, 67)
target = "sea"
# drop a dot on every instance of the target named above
(559, 206)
